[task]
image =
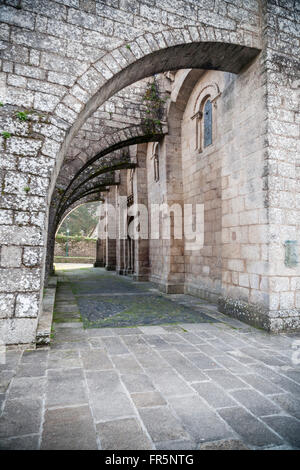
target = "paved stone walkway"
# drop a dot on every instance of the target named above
(216, 383)
(107, 300)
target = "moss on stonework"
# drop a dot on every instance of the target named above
(6, 135)
(66, 320)
(22, 115)
(154, 110)
(131, 310)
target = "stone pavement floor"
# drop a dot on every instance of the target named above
(212, 384)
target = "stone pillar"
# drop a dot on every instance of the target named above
(262, 285)
(282, 170)
(110, 259)
(121, 206)
(23, 220)
(99, 263)
(140, 189)
(173, 271)
(103, 249)
(110, 264)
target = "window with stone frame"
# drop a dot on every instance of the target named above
(204, 116)
(131, 181)
(155, 157)
(207, 123)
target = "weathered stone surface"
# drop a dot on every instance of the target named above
(21, 416)
(213, 395)
(6, 305)
(27, 387)
(20, 443)
(65, 387)
(114, 402)
(201, 423)
(96, 360)
(11, 256)
(162, 425)
(147, 399)
(18, 330)
(123, 434)
(137, 382)
(69, 429)
(252, 431)
(27, 305)
(257, 404)
(230, 444)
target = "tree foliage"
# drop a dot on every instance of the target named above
(82, 221)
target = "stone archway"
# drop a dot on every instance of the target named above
(174, 53)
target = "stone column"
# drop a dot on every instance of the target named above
(262, 284)
(282, 170)
(99, 263)
(140, 189)
(110, 259)
(121, 205)
(173, 271)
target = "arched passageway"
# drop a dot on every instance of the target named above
(213, 42)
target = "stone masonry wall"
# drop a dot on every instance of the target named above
(227, 178)
(76, 248)
(282, 71)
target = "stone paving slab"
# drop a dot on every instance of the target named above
(123, 434)
(224, 444)
(126, 363)
(64, 427)
(214, 395)
(12, 358)
(20, 443)
(27, 387)
(65, 387)
(162, 424)
(202, 423)
(148, 399)
(252, 430)
(177, 386)
(256, 403)
(95, 360)
(289, 403)
(287, 426)
(20, 417)
(34, 369)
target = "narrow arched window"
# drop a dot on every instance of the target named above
(131, 180)
(207, 124)
(155, 156)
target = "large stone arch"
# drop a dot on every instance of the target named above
(174, 50)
